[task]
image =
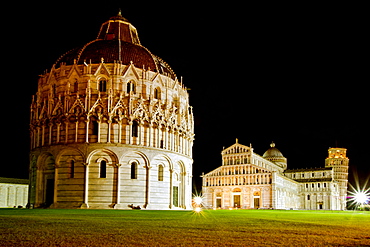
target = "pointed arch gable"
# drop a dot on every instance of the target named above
(98, 103)
(140, 112)
(102, 69)
(158, 79)
(129, 71)
(120, 106)
(77, 104)
(74, 71)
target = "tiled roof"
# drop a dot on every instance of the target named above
(313, 180)
(13, 181)
(309, 170)
(117, 42)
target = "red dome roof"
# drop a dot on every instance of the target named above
(117, 42)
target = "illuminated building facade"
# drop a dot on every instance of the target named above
(247, 180)
(111, 126)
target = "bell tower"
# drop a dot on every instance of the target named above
(338, 160)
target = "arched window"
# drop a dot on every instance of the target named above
(72, 169)
(75, 86)
(160, 173)
(103, 169)
(131, 87)
(133, 170)
(102, 86)
(95, 128)
(157, 93)
(135, 129)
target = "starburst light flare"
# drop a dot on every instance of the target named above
(360, 195)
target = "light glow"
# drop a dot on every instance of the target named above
(198, 200)
(361, 197)
(197, 203)
(198, 209)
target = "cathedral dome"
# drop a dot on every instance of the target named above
(272, 152)
(274, 155)
(117, 41)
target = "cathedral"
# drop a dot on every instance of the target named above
(249, 181)
(111, 126)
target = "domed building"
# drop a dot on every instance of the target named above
(111, 126)
(250, 181)
(274, 155)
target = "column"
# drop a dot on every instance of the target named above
(66, 137)
(56, 178)
(118, 202)
(130, 133)
(109, 131)
(171, 189)
(166, 145)
(87, 131)
(58, 132)
(50, 133)
(147, 191)
(140, 133)
(99, 126)
(120, 132)
(37, 137)
(85, 204)
(150, 130)
(43, 136)
(76, 133)
(119, 183)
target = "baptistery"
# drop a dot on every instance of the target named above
(111, 127)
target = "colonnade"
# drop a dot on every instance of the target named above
(248, 179)
(86, 131)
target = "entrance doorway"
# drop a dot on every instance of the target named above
(236, 197)
(256, 202)
(218, 203)
(49, 192)
(236, 201)
(257, 199)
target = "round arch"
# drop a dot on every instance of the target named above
(127, 157)
(164, 157)
(45, 160)
(113, 157)
(69, 151)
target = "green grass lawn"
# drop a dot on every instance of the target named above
(49, 227)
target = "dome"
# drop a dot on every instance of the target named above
(272, 152)
(274, 155)
(117, 41)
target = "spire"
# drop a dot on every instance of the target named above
(119, 16)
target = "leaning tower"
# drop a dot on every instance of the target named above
(338, 160)
(111, 126)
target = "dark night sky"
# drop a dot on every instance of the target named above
(295, 74)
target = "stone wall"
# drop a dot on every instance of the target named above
(13, 192)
